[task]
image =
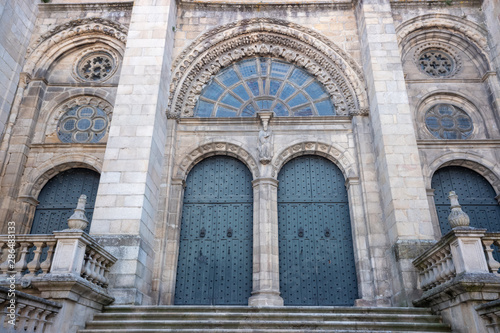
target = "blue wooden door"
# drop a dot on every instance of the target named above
(215, 251)
(475, 194)
(59, 197)
(315, 241)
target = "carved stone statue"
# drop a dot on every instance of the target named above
(265, 141)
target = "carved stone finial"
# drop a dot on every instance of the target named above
(457, 217)
(78, 220)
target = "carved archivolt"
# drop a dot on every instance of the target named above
(467, 160)
(217, 49)
(342, 158)
(39, 176)
(216, 148)
(76, 28)
(467, 30)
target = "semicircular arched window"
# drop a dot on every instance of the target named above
(263, 84)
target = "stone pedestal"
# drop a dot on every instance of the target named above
(265, 244)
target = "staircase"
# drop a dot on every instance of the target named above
(239, 319)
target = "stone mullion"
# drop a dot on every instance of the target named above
(404, 201)
(266, 283)
(17, 151)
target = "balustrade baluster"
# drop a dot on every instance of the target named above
(34, 320)
(493, 265)
(34, 265)
(47, 263)
(100, 271)
(86, 268)
(21, 265)
(93, 273)
(106, 273)
(4, 262)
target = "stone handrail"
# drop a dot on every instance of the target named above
(68, 252)
(490, 239)
(460, 251)
(31, 313)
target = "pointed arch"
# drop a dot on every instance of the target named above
(220, 47)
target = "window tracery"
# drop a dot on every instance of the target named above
(446, 121)
(263, 84)
(82, 124)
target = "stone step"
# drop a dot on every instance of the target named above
(184, 319)
(280, 316)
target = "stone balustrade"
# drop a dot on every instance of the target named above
(437, 267)
(30, 313)
(491, 243)
(64, 252)
(41, 248)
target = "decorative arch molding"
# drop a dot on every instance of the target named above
(444, 96)
(467, 160)
(38, 177)
(220, 47)
(70, 35)
(59, 105)
(216, 148)
(449, 29)
(341, 157)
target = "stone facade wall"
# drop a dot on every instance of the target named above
(17, 22)
(387, 154)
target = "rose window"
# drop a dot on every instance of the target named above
(446, 121)
(96, 66)
(436, 63)
(263, 84)
(83, 124)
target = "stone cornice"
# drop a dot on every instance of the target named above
(435, 3)
(465, 144)
(88, 7)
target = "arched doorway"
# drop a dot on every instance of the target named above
(476, 196)
(59, 197)
(315, 240)
(215, 251)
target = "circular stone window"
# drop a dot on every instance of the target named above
(446, 121)
(436, 63)
(96, 66)
(82, 124)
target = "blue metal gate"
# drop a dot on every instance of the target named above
(59, 197)
(215, 251)
(315, 240)
(475, 194)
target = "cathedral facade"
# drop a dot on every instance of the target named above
(261, 153)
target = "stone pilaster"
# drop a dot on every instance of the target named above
(266, 282)
(404, 201)
(15, 149)
(127, 198)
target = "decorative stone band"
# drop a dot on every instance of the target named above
(34, 314)
(207, 55)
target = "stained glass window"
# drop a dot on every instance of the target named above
(83, 124)
(446, 121)
(263, 84)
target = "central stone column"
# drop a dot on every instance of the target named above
(404, 200)
(266, 281)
